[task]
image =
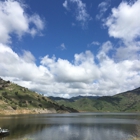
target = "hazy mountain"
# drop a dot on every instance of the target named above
(124, 102)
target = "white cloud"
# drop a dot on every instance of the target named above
(106, 47)
(65, 4)
(103, 7)
(124, 21)
(28, 57)
(59, 77)
(128, 51)
(81, 14)
(94, 43)
(21, 67)
(80, 71)
(63, 47)
(103, 53)
(14, 19)
(39, 24)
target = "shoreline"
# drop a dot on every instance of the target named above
(29, 111)
(44, 111)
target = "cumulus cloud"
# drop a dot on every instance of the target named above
(28, 57)
(15, 20)
(21, 67)
(80, 71)
(124, 21)
(59, 77)
(103, 7)
(106, 47)
(128, 51)
(81, 14)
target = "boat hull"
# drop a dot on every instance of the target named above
(4, 132)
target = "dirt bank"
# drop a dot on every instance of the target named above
(26, 111)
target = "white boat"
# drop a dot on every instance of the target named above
(4, 131)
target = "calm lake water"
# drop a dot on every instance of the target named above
(75, 126)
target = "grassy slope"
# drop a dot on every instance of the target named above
(15, 97)
(123, 102)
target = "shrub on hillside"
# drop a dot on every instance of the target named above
(16, 93)
(40, 105)
(4, 94)
(14, 107)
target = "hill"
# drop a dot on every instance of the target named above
(15, 99)
(124, 102)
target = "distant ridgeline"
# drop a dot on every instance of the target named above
(15, 99)
(124, 102)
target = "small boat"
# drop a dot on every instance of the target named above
(4, 132)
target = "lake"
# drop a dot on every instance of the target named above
(74, 126)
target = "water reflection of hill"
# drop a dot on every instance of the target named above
(81, 126)
(21, 131)
(21, 126)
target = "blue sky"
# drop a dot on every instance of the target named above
(71, 47)
(61, 27)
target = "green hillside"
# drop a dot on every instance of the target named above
(17, 99)
(124, 102)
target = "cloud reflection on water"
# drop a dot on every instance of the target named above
(78, 132)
